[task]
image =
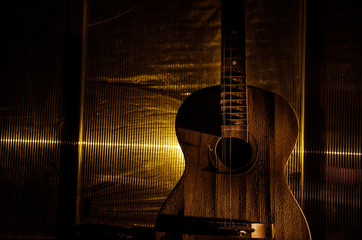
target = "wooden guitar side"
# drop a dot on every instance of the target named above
(261, 194)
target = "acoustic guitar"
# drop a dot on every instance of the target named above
(236, 140)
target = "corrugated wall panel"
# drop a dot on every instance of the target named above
(30, 116)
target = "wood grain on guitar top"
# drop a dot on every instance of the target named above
(261, 194)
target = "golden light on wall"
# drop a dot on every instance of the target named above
(175, 147)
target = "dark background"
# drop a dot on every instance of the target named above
(90, 91)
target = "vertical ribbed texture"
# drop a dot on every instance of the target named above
(143, 60)
(30, 116)
(343, 107)
(333, 120)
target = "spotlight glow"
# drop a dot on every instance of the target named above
(88, 143)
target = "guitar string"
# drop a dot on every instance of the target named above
(226, 92)
(230, 90)
(223, 98)
(231, 122)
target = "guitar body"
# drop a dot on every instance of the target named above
(261, 194)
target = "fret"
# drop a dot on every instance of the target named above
(237, 122)
(240, 104)
(240, 108)
(230, 58)
(233, 88)
(241, 120)
(240, 79)
(232, 75)
(229, 128)
(236, 101)
(239, 94)
(237, 104)
(233, 95)
(233, 81)
(233, 109)
(228, 116)
(236, 65)
(240, 116)
(236, 112)
(233, 101)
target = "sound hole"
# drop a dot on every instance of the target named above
(235, 153)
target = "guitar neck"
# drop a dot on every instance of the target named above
(234, 100)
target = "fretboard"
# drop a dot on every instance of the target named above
(234, 100)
